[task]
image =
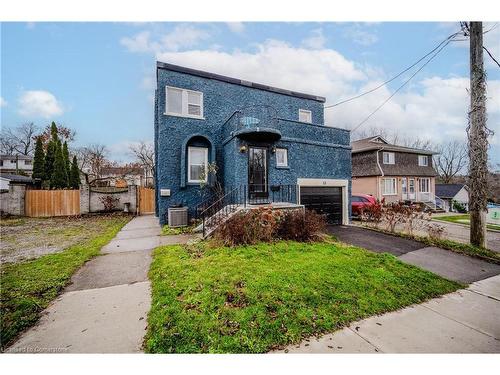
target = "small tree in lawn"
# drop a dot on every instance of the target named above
(67, 163)
(59, 179)
(74, 180)
(39, 161)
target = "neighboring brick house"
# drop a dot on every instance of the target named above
(392, 172)
(123, 176)
(262, 139)
(16, 164)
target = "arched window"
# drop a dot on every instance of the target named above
(197, 152)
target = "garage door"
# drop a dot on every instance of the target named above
(323, 200)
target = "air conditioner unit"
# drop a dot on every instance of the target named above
(178, 217)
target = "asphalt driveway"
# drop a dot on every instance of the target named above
(448, 264)
(374, 241)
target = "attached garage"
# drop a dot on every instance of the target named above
(325, 196)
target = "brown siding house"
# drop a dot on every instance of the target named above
(392, 172)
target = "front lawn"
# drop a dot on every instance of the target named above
(251, 299)
(28, 287)
(463, 219)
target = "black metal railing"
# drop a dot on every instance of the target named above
(219, 209)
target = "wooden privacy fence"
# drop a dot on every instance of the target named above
(41, 203)
(146, 197)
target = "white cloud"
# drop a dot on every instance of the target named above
(138, 43)
(316, 41)
(236, 27)
(39, 103)
(320, 72)
(360, 34)
(3, 102)
(182, 36)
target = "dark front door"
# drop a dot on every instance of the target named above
(323, 200)
(257, 173)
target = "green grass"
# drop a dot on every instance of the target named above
(169, 231)
(463, 219)
(251, 299)
(28, 287)
(461, 248)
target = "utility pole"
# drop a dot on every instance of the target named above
(478, 138)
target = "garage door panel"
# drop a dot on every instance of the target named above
(323, 200)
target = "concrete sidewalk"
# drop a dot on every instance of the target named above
(466, 321)
(104, 309)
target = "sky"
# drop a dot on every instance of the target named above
(99, 78)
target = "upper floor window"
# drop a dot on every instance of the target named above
(388, 158)
(423, 160)
(305, 115)
(281, 157)
(27, 162)
(182, 102)
(197, 164)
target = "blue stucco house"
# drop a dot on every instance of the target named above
(270, 144)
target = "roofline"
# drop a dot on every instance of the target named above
(236, 81)
(396, 149)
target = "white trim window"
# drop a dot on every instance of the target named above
(184, 103)
(424, 185)
(281, 157)
(197, 164)
(305, 115)
(423, 160)
(388, 158)
(389, 186)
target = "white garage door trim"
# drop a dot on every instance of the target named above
(330, 182)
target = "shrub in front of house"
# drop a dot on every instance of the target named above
(301, 225)
(267, 225)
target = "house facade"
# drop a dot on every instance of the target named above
(392, 172)
(453, 192)
(213, 130)
(15, 164)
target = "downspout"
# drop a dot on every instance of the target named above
(381, 173)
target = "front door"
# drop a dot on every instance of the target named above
(257, 173)
(404, 189)
(411, 189)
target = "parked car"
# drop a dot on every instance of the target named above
(360, 201)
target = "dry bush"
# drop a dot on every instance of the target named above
(109, 202)
(301, 225)
(249, 227)
(267, 225)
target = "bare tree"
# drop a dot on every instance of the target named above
(20, 140)
(7, 143)
(451, 160)
(145, 154)
(91, 160)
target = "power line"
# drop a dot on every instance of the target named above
(446, 40)
(400, 87)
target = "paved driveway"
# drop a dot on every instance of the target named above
(445, 263)
(374, 241)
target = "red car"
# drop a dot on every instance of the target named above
(360, 201)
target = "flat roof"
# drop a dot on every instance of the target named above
(236, 81)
